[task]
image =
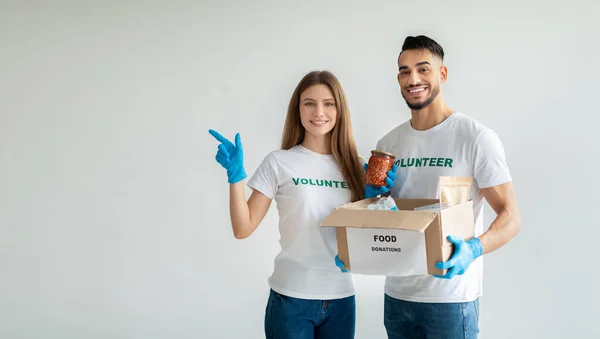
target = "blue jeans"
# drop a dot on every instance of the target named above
(412, 320)
(293, 318)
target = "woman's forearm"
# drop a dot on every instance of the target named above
(239, 210)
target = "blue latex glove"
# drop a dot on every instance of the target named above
(339, 263)
(464, 254)
(231, 157)
(371, 191)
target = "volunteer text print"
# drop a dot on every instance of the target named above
(424, 162)
(320, 182)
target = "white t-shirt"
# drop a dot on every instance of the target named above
(459, 146)
(306, 187)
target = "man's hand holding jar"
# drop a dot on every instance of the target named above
(380, 174)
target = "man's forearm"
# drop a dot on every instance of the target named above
(505, 227)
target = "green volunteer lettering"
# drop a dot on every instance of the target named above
(423, 162)
(320, 182)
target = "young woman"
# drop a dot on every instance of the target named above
(316, 170)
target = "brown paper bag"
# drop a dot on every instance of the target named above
(455, 190)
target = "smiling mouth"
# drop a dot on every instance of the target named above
(319, 123)
(417, 91)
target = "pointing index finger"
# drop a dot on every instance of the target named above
(219, 137)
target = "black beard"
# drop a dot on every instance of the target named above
(417, 107)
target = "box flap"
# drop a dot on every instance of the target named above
(459, 221)
(411, 204)
(361, 218)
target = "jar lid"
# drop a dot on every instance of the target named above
(382, 153)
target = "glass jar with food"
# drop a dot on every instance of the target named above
(379, 164)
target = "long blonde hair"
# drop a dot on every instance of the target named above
(343, 145)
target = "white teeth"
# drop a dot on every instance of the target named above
(319, 122)
(417, 90)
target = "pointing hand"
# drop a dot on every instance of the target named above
(231, 157)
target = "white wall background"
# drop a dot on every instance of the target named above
(113, 212)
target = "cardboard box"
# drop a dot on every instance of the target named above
(401, 242)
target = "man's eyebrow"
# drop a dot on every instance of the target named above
(418, 64)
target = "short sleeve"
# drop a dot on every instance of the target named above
(378, 145)
(489, 163)
(266, 177)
